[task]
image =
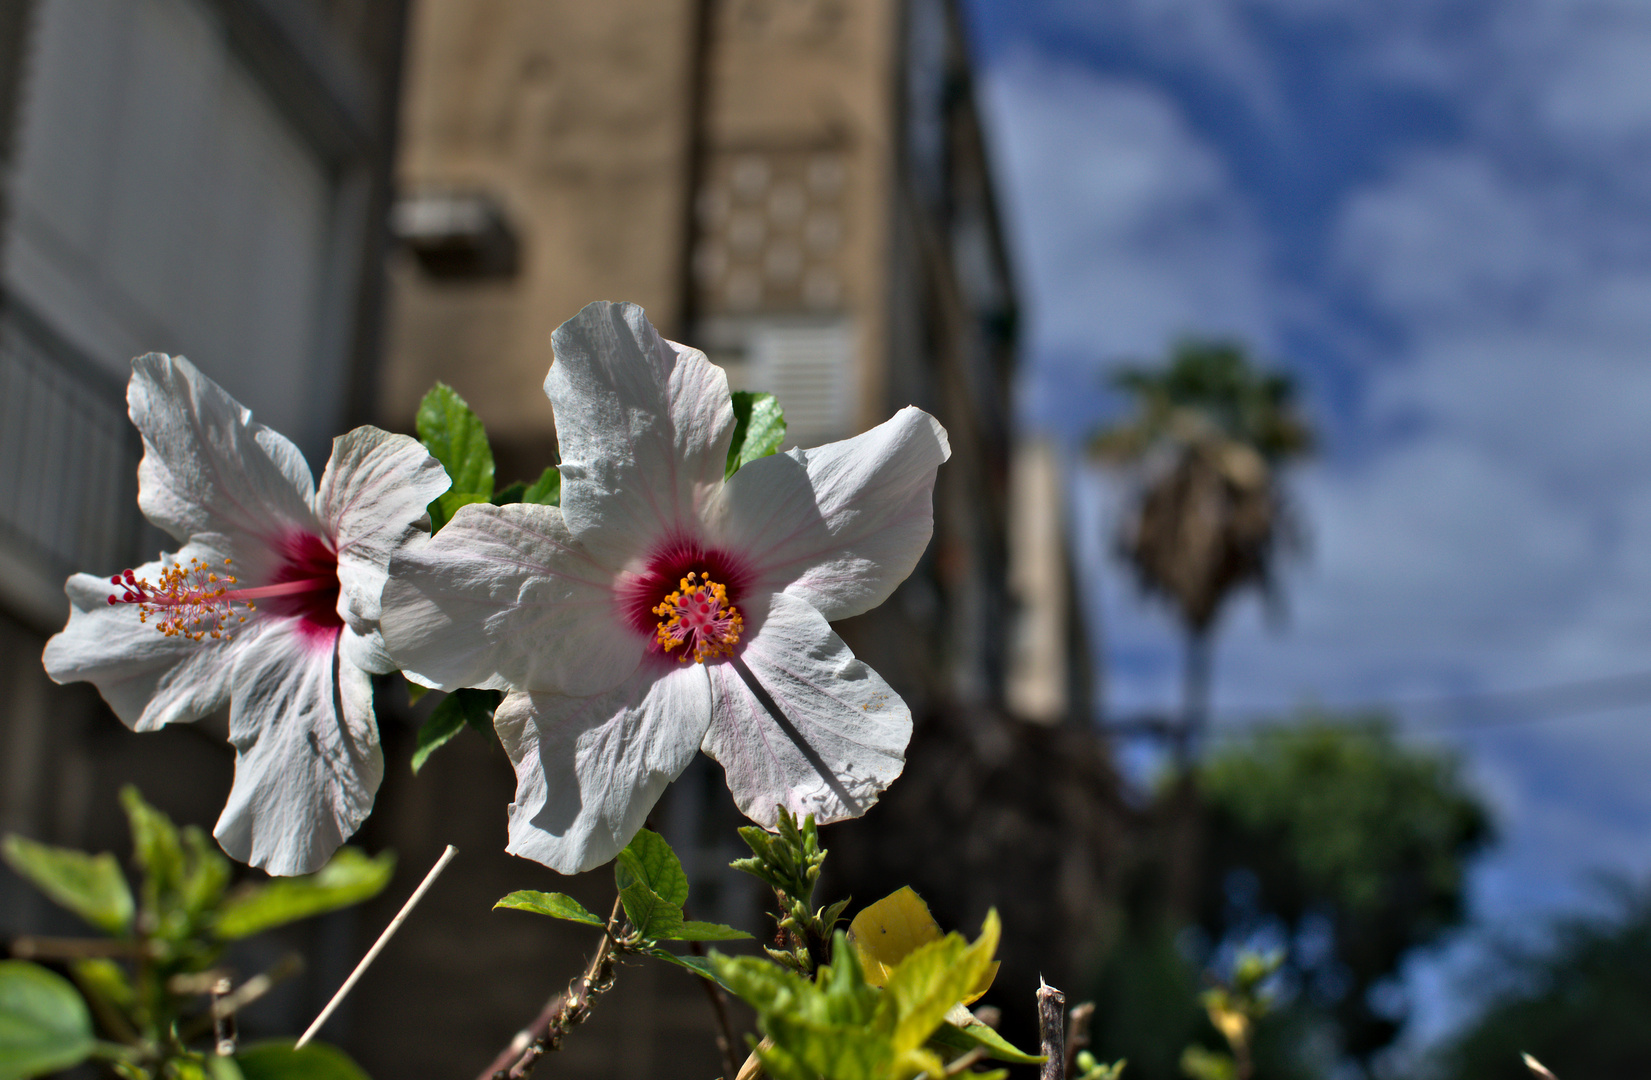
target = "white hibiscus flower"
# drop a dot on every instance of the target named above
(661, 610)
(271, 604)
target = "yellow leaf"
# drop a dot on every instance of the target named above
(888, 931)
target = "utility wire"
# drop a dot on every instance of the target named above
(1457, 712)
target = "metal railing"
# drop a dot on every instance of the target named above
(68, 454)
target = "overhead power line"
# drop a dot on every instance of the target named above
(1454, 712)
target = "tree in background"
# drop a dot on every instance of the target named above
(1205, 443)
(1330, 838)
(1578, 1004)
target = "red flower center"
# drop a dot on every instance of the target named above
(196, 601)
(663, 603)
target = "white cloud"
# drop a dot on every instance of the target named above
(1494, 532)
(1126, 229)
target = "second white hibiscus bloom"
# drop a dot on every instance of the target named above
(662, 610)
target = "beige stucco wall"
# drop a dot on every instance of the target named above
(574, 116)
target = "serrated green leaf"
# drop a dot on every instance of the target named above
(1201, 1064)
(699, 965)
(446, 720)
(44, 1023)
(651, 915)
(184, 1068)
(924, 986)
(759, 429)
(458, 710)
(766, 987)
(650, 860)
(479, 707)
(832, 1027)
(547, 490)
(454, 435)
(556, 905)
(205, 872)
(511, 494)
(350, 878)
(156, 848)
(707, 931)
(105, 979)
(961, 1038)
(277, 1060)
(91, 886)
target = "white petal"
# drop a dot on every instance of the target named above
(844, 733)
(365, 651)
(504, 597)
(643, 425)
(148, 680)
(372, 498)
(208, 470)
(589, 769)
(307, 761)
(841, 525)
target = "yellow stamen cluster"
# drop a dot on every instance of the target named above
(698, 619)
(190, 601)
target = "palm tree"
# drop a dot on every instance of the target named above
(1205, 444)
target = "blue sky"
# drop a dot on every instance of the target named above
(1437, 214)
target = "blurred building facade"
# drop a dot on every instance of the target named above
(205, 177)
(801, 189)
(797, 186)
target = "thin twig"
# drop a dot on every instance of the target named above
(378, 946)
(243, 995)
(1052, 1031)
(29, 947)
(1537, 1068)
(752, 1069)
(512, 1053)
(1077, 1033)
(574, 1007)
(964, 1062)
(719, 1009)
(223, 1023)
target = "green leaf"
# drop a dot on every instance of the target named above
(832, 1027)
(156, 848)
(556, 905)
(446, 721)
(699, 965)
(103, 978)
(707, 931)
(455, 712)
(1202, 1064)
(961, 1038)
(925, 985)
(545, 491)
(277, 1060)
(650, 860)
(510, 494)
(184, 1068)
(455, 437)
(650, 914)
(44, 1024)
(91, 886)
(349, 878)
(205, 872)
(759, 429)
(414, 690)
